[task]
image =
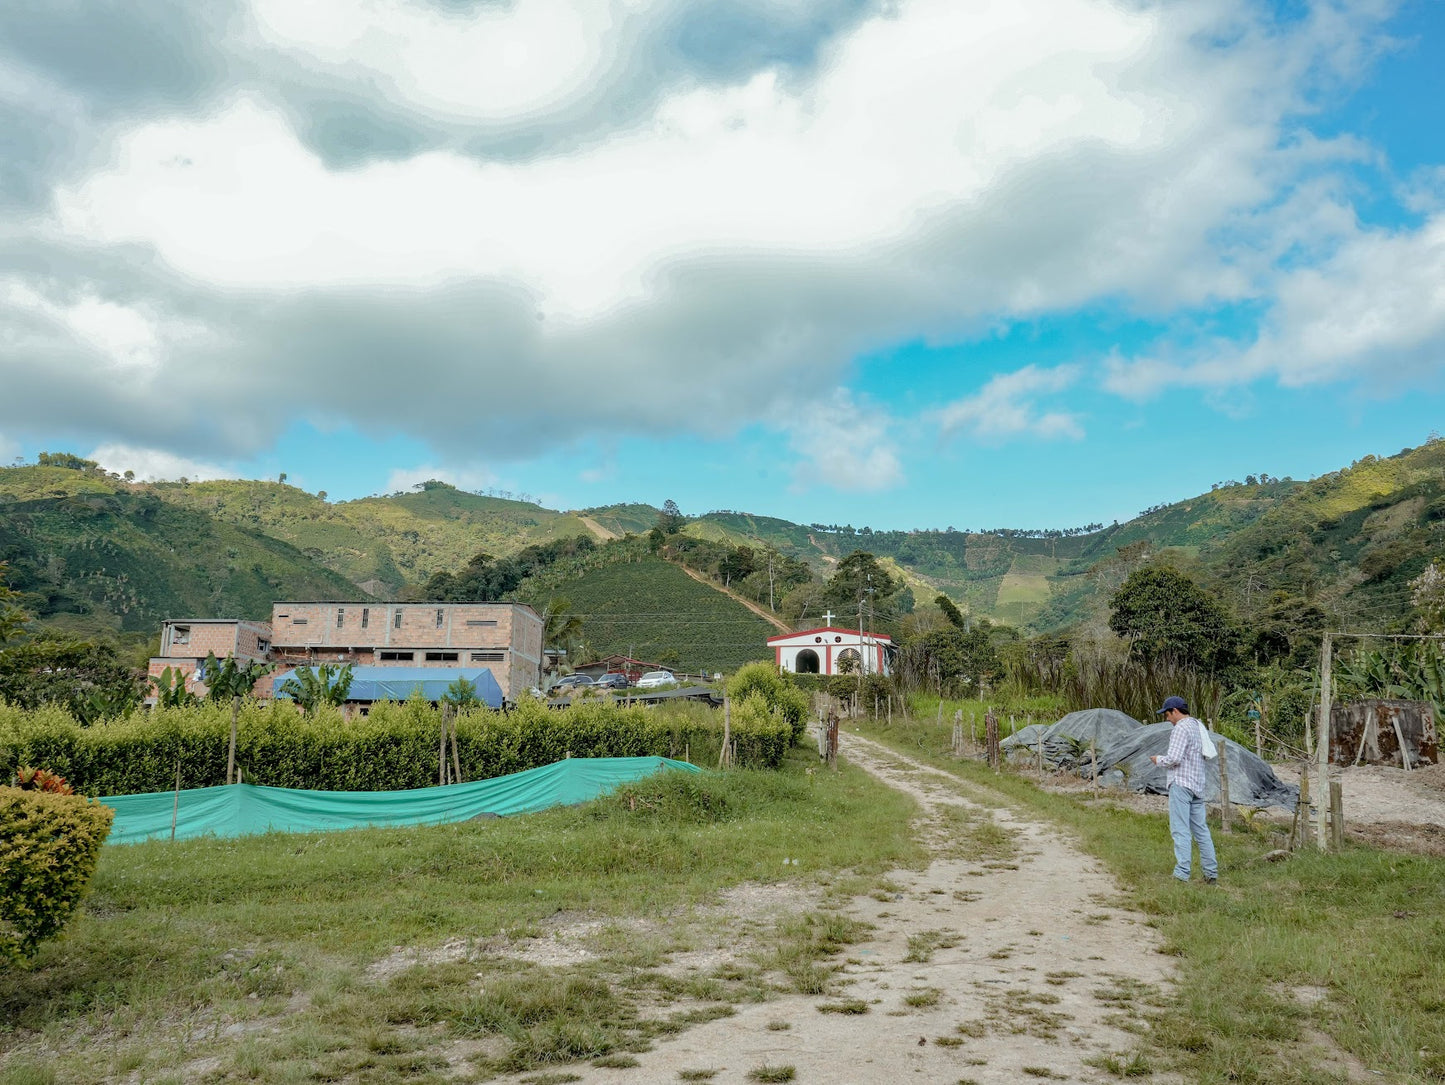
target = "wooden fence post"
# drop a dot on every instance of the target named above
(722, 757)
(1322, 739)
(1224, 803)
(1337, 815)
(231, 753)
(456, 757)
(442, 752)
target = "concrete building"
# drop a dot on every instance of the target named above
(830, 650)
(506, 638)
(186, 642)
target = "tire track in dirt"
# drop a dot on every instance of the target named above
(1045, 967)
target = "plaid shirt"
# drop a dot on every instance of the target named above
(1185, 759)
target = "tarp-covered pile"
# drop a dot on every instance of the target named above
(243, 809)
(1124, 747)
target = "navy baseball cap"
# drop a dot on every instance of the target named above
(1173, 702)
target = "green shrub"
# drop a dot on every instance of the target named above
(49, 845)
(393, 748)
(782, 696)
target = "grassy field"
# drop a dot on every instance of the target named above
(276, 958)
(1292, 973)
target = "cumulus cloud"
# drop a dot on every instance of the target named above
(1374, 309)
(474, 479)
(156, 465)
(1008, 406)
(329, 211)
(843, 445)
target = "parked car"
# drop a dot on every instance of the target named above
(612, 680)
(569, 683)
(656, 680)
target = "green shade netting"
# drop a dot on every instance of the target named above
(242, 809)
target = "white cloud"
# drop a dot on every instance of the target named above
(1008, 406)
(1374, 309)
(475, 479)
(156, 465)
(491, 62)
(842, 445)
(721, 257)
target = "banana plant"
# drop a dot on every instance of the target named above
(171, 689)
(226, 679)
(312, 689)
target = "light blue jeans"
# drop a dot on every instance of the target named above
(1187, 826)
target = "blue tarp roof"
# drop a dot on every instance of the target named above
(399, 683)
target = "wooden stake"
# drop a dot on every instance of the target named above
(231, 753)
(1224, 803)
(442, 753)
(456, 758)
(1094, 761)
(1304, 806)
(1322, 739)
(1400, 738)
(176, 809)
(1337, 815)
(722, 757)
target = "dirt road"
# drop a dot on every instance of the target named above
(978, 970)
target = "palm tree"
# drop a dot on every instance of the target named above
(560, 629)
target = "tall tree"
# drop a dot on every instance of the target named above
(950, 611)
(1167, 618)
(84, 677)
(12, 616)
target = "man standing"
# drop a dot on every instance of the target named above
(1185, 762)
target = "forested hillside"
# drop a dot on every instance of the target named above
(97, 558)
(98, 552)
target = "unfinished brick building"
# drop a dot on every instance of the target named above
(185, 643)
(506, 638)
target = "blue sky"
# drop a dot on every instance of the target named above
(1028, 263)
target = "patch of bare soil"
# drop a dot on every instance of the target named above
(981, 969)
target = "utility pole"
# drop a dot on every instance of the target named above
(770, 581)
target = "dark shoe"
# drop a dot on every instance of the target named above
(1211, 881)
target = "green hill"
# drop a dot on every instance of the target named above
(94, 551)
(94, 557)
(385, 543)
(648, 608)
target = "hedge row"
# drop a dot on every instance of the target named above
(393, 748)
(49, 845)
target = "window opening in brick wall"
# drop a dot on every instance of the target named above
(397, 657)
(340, 617)
(488, 657)
(365, 617)
(181, 634)
(441, 616)
(396, 619)
(489, 622)
(441, 657)
(299, 621)
(263, 645)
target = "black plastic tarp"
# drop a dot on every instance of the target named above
(1251, 781)
(1124, 747)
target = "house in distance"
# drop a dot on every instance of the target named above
(832, 650)
(503, 638)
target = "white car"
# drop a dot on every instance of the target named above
(656, 680)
